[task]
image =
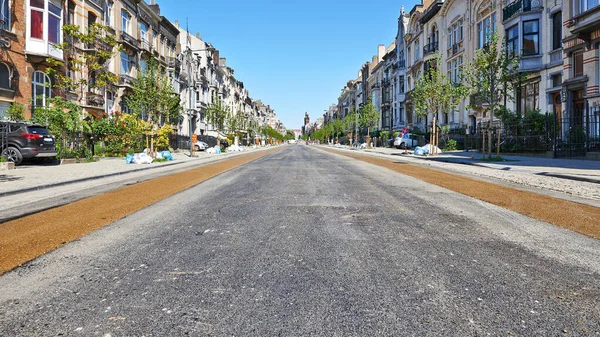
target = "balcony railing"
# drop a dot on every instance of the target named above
(173, 62)
(402, 64)
(430, 48)
(519, 6)
(128, 39)
(94, 99)
(126, 80)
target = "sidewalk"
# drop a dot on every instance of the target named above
(34, 177)
(572, 169)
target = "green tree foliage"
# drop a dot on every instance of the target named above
(64, 120)
(15, 112)
(368, 115)
(493, 76)
(337, 126)
(434, 92)
(86, 54)
(217, 113)
(153, 98)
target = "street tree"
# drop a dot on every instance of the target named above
(368, 117)
(493, 76)
(154, 99)
(351, 124)
(217, 113)
(337, 126)
(435, 93)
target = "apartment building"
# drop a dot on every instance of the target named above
(580, 94)
(400, 117)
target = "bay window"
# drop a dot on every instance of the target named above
(37, 19)
(45, 18)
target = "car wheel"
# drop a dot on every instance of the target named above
(13, 154)
(197, 148)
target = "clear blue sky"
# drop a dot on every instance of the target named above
(294, 55)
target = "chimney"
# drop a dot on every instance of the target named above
(380, 51)
(176, 24)
(198, 36)
(223, 62)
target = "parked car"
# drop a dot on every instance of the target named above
(25, 140)
(409, 141)
(200, 146)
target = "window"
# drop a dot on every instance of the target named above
(37, 18)
(125, 63)
(556, 80)
(408, 57)
(70, 19)
(557, 31)
(125, 21)
(455, 33)
(144, 31)
(455, 69)
(143, 66)
(401, 84)
(531, 34)
(5, 15)
(108, 13)
(529, 99)
(512, 41)
(417, 50)
(4, 76)
(54, 22)
(110, 101)
(41, 88)
(585, 5)
(578, 63)
(485, 29)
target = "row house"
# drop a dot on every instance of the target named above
(388, 85)
(579, 93)
(400, 118)
(206, 78)
(31, 30)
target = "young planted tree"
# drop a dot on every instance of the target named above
(216, 114)
(493, 77)
(435, 93)
(337, 126)
(368, 118)
(351, 124)
(153, 99)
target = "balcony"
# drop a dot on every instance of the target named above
(457, 48)
(94, 100)
(519, 6)
(173, 62)
(401, 64)
(126, 81)
(385, 82)
(430, 48)
(146, 45)
(129, 40)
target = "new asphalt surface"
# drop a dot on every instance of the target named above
(307, 243)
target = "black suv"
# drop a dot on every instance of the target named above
(24, 140)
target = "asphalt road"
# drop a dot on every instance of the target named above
(307, 243)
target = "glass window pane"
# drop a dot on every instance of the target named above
(37, 24)
(530, 45)
(53, 29)
(37, 3)
(56, 10)
(530, 27)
